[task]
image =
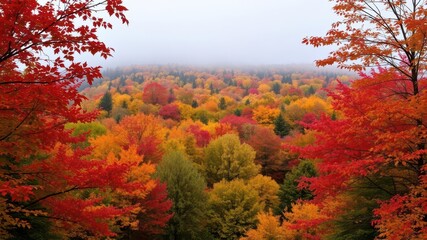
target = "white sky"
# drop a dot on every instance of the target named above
(218, 32)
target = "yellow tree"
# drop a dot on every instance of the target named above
(227, 158)
(267, 190)
(146, 132)
(296, 110)
(264, 88)
(265, 115)
(303, 222)
(232, 209)
(112, 142)
(185, 110)
(268, 227)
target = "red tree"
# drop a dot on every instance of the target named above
(154, 219)
(170, 111)
(155, 93)
(237, 122)
(144, 131)
(38, 95)
(64, 176)
(253, 91)
(374, 145)
(267, 146)
(202, 136)
(383, 131)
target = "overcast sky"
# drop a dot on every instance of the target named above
(218, 32)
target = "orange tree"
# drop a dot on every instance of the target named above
(380, 142)
(41, 179)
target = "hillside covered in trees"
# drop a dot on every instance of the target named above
(185, 152)
(213, 135)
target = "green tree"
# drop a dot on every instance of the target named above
(226, 158)
(281, 126)
(276, 88)
(92, 129)
(139, 79)
(202, 115)
(222, 104)
(232, 209)
(289, 192)
(334, 116)
(106, 102)
(185, 186)
(356, 221)
(311, 91)
(125, 105)
(194, 104)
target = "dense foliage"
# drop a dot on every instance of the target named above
(376, 153)
(229, 147)
(183, 152)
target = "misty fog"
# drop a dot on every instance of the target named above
(218, 32)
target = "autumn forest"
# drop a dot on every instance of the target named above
(221, 152)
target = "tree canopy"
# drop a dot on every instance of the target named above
(381, 139)
(185, 186)
(227, 158)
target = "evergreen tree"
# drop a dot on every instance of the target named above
(140, 79)
(222, 104)
(276, 88)
(334, 116)
(281, 127)
(311, 91)
(122, 81)
(106, 103)
(286, 79)
(356, 222)
(194, 104)
(125, 105)
(202, 115)
(289, 192)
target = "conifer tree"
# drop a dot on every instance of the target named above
(289, 192)
(276, 88)
(194, 104)
(106, 102)
(281, 127)
(222, 104)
